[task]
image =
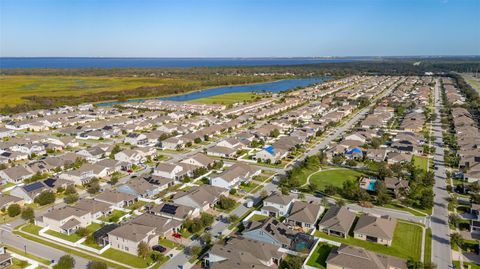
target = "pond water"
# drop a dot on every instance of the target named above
(276, 86)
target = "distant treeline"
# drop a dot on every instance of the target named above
(387, 66)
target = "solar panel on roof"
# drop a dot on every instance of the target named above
(169, 209)
(34, 186)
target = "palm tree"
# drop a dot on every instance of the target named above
(457, 239)
(143, 249)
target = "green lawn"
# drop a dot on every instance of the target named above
(257, 217)
(18, 264)
(320, 255)
(226, 99)
(421, 162)
(114, 217)
(406, 243)
(335, 177)
(169, 244)
(93, 227)
(406, 209)
(248, 187)
(72, 238)
(32, 228)
(428, 245)
(126, 258)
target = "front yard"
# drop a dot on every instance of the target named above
(72, 237)
(114, 217)
(407, 241)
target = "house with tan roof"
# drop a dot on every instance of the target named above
(374, 229)
(234, 175)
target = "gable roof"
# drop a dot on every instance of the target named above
(304, 212)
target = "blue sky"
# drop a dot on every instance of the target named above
(239, 28)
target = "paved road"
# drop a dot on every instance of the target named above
(394, 213)
(441, 252)
(8, 238)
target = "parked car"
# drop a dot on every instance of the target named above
(159, 248)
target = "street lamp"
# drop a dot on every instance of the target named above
(25, 248)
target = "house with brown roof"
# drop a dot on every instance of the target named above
(303, 214)
(96, 208)
(127, 237)
(337, 221)
(359, 258)
(397, 186)
(374, 229)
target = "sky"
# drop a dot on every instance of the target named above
(238, 28)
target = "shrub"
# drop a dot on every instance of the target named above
(14, 210)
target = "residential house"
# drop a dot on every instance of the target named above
(202, 197)
(377, 230)
(139, 187)
(174, 211)
(234, 175)
(304, 214)
(136, 139)
(347, 256)
(277, 204)
(337, 221)
(65, 220)
(270, 231)
(241, 252)
(96, 208)
(16, 174)
(116, 198)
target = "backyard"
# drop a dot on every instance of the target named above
(407, 241)
(319, 255)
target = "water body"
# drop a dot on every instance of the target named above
(276, 86)
(79, 62)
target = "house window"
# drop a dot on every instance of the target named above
(126, 248)
(307, 225)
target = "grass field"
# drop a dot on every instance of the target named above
(421, 162)
(15, 87)
(72, 238)
(319, 256)
(407, 242)
(226, 99)
(334, 177)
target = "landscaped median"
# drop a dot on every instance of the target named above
(113, 258)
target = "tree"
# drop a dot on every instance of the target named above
(457, 239)
(233, 218)
(70, 199)
(194, 251)
(97, 265)
(65, 262)
(292, 262)
(156, 256)
(226, 203)
(70, 189)
(28, 213)
(45, 198)
(340, 202)
(274, 133)
(453, 219)
(143, 249)
(93, 187)
(264, 194)
(382, 195)
(197, 140)
(14, 210)
(383, 171)
(301, 196)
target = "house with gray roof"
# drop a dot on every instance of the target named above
(304, 214)
(202, 197)
(277, 204)
(243, 253)
(65, 220)
(270, 230)
(359, 258)
(374, 229)
(337, 221)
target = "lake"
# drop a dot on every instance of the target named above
(80, 62)
(276, 86)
